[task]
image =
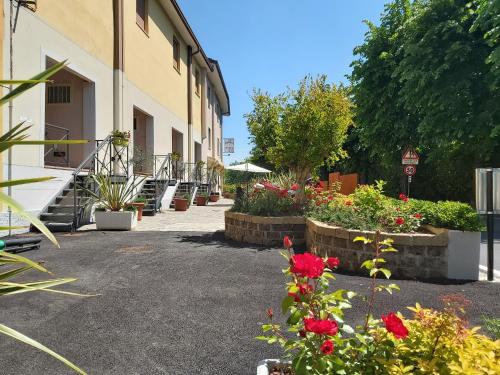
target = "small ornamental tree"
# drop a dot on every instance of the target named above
(303, 128)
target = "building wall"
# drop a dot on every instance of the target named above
(149, 58)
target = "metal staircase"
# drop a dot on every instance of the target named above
(72, 207)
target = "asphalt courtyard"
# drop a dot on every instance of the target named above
(173, 303)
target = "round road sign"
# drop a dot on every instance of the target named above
(410, 170)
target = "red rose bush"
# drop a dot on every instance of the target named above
(319, 340)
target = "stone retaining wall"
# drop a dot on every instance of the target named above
(261, 230)
(419, 255)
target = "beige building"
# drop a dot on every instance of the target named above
(133, 66)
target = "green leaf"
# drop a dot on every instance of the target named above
(24, 181)
(294, 317)
(386, 272)
(362, 239)
(43, 76)
(25, 339)
(16, 207)
(287, 302)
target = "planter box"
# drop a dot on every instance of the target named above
(214, 198)
(181, 204)
(442, 253)
(140, 208)
(122, 220)
(266, 365)
(201, 201)
(261, 230)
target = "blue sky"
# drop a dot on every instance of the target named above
(272, 44)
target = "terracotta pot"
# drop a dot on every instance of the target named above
(201, 201)
(214, 198)
(181, 204)
(139, 206)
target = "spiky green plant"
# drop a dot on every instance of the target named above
(11, 264)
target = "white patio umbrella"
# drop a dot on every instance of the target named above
(248, 167)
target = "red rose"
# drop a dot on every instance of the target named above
(330, 197)
(403, 197)
(417, 216)
(295, 187)
(283, 193)
(332, 262)
(395, 325)
(269, 186)
(321, 327)
(305, 289)
(318, 203)
(270, 313)
(327, 347)
(287, 242)
(307, 265)
(348, 202)
(399, 221)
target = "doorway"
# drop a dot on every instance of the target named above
(69, 115)
(143, 153)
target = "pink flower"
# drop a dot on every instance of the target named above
(321, 327)
(295, 187)
(307, 265)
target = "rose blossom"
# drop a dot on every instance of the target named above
(327, 347)
(287, 242)
(321, 327)
(395, 325)
(295, 187)
(332, 262)
(417, 216)
(305, 289)
(307, 265)
(403, 197)
(399, 221)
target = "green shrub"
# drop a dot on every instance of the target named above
(448, 214)
(270, 203)
(492, 327)
(229, 188)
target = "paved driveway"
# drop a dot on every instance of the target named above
(172, 303)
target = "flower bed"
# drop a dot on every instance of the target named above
(441, 254)
(267, 231)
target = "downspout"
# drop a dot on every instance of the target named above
(190, 102)
(118, 75)
(118, 64)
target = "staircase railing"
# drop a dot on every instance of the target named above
(61, 134)
(162, 176)
(106, 159)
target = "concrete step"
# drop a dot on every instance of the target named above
(148, 212)
(61, 208)
(57, 217)
(59, 227)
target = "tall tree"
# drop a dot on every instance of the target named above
(302, 128)
(423, 77)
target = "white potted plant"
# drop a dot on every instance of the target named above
(114, 211)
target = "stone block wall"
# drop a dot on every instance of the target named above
(268, 231)
(419, 255)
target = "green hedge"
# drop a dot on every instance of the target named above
(448, 214)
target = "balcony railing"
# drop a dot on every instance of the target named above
(57, 154)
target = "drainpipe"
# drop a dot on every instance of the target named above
(190, 102)
(118, 75)
(118, 65)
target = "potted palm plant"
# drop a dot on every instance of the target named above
(115, 212)
(182, 203)
(201, 199)
(120, 138)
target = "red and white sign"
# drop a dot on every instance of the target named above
(410, 157)
(410, 170)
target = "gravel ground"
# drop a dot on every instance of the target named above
(173, 303)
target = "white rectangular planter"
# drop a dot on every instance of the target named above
(122, 220)
(463, 255)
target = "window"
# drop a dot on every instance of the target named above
(197, 81)
(58, 94)
(209, 96)
(209, 139)
(141, 14)
(177, 54)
